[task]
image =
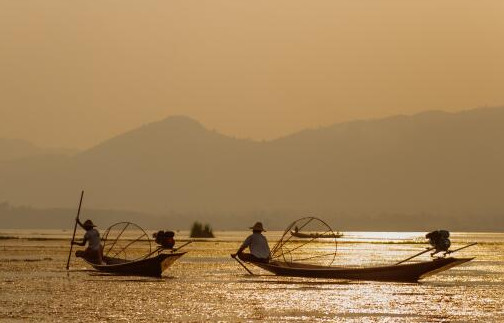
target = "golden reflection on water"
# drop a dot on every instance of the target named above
(207, 285)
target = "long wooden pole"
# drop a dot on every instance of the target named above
(182, 246)
(469, 245)
(418, 254)
(160, 248)
(75, 229)
(236, 258)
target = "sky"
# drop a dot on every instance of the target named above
(75, 73)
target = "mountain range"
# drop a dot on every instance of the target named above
(11, 149)
(415, 172)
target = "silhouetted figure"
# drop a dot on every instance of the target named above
(258, 245)
(439, 239)
(165, 239)
(94, 250)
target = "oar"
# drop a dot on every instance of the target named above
(236, 258)
(418, 254)
(75, 229)
(469, 245)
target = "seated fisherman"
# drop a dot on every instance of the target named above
(439, 239)
(165, 239)
(93, 252)
(258, 245)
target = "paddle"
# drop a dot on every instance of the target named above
(235, 258)
(418, 254)
(75, 229)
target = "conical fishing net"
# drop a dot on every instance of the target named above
(126, 240)
(308, 241)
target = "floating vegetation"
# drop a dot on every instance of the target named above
(199, 230)
(8, 237)
(26, 259)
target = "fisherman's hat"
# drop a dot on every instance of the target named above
(88, 224)
(257, 227)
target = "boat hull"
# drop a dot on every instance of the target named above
(395, 273)
(152, 266)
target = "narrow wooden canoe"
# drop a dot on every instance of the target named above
(315, 235)
(411, 272)
(152, 266)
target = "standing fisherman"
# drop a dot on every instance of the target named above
(93, 252)
(258, 245)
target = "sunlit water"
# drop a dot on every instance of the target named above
(207, 285)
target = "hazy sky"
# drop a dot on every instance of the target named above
(73, 73)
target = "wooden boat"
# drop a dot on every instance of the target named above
(121, 244)
(315, 257)
(152, 266)
(410, 272)
(314, 235)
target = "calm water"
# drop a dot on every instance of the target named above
(207, 285)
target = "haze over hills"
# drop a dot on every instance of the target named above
(16, 149)
(402, 173)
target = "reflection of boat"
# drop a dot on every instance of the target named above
(152, 266)
(411, 272)
(315, 235)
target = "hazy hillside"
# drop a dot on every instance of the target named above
(415, 172)
(11, 149)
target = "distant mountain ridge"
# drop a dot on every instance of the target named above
(11, 149)
(415, 171)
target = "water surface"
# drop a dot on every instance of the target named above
(207, 285)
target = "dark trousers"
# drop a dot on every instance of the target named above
(93, 256)
(251, 258)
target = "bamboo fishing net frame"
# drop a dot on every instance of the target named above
(291, 249)
(120, 237)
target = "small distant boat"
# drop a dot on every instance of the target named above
(411, 272)
(315, 235)
(151, 266)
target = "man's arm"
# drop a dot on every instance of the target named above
(80, 224)
(244, 245)
(82, 244)
(238, 252)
